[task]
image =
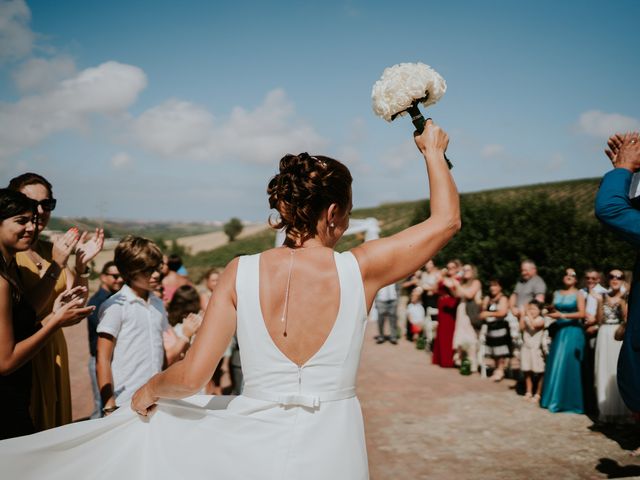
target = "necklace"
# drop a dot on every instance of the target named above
(285, 308)
(34, 259)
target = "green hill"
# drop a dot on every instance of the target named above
(394, 217)
(117, 229)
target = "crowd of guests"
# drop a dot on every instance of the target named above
(142, 318)
(562, 346)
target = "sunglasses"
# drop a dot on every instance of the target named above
(152, 270)
(48, 204)
(616, 277)
(573, 275)
(115, 276)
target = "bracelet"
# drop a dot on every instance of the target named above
(86, 274)
(110, 409)
(53, 271)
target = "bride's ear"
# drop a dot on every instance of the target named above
(332, 214)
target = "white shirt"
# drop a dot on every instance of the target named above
(591, 304)
(387, 294)
(137, 326)
(415, 313)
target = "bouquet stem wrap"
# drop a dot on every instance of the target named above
(418, 121)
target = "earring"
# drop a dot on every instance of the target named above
(332, 225)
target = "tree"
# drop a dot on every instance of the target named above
(497, 234)
(233, 228)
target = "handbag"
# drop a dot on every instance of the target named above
(619, 333)
(473, 312)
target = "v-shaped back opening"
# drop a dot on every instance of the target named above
(328, 335)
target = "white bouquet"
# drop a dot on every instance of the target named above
(402, 88)
(405, 85)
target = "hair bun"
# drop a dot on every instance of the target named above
(303, 188)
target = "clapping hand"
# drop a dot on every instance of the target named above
(624, 151)
(68, 307)
(64, 245)
(191, 324)
(87, 248)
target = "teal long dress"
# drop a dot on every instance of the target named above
(562, 388)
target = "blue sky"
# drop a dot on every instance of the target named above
(164, 110)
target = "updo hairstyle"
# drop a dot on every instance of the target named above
(303, 189)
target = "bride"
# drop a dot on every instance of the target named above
(300, 312)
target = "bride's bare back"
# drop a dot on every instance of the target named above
(313, 301)
(312, 195)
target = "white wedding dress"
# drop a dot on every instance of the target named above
(290, 422)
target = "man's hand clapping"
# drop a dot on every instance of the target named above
(624, 151)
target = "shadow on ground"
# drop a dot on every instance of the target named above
(613, 469)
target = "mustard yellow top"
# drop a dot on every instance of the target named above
(51, 386)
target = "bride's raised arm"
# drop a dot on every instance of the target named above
(390, 259)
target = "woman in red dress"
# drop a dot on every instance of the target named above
(447, 305)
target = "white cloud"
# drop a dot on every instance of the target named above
(107, 89)
(602, 125)
(121, 160)
(16, 38)
(180, 129)
(493, 150)
(41, 74)
(396, 158)
(175, 128)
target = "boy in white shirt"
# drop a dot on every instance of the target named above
(130, 347)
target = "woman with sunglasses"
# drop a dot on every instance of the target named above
(562, 391)
(20, 337)
(611, 315)
(45, 275)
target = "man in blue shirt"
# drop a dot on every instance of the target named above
(110, 283)
(614, 209)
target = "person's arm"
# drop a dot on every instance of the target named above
(541, 289)
(503, 308)
(40, 294)
(513, 304)
(388, 260)
(188, 376)
(468, 293)
(109, 328)
(613, 206)
(538, 322)
(523, 322)
(175, 346)
(104, 356)
(86, 250)
(14, 355)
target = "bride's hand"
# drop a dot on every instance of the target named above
(143, 402)
(432, 139)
